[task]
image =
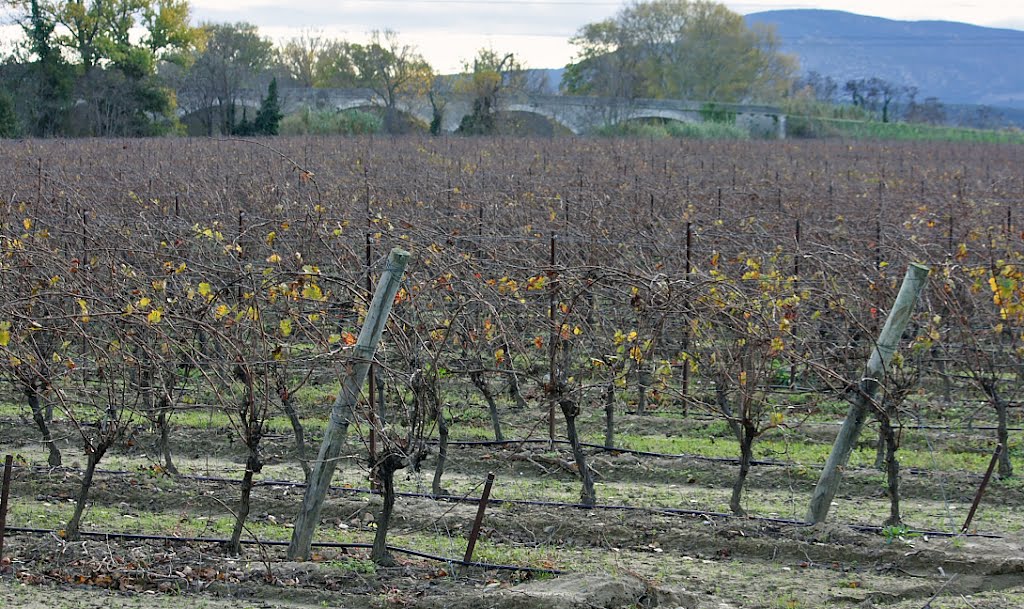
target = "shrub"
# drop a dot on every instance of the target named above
(8, 119)
(329, 122)
(667, 129)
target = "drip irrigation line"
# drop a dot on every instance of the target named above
(643, 453)
(315, 544)
(559, 504)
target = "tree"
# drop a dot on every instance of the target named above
(931, 111)
(489, 77)
(8, 120)
(821, 88)
(441, 88)
(269, 116)
(391, 70)
(679, 49)
(95, 31)
(310, 60)
(601, 68)
(875, 95)
(234, 58)
(91, 51)
(745, 324)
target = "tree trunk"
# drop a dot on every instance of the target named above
(570, 410)
(442, 453)
(892, 469)
(480, 383)
(379, 384)
(387, 468)
(514, 391)
(643, 382)
(252, 467)
(1003, 436)
(165, 438)
(288, 404)
(880, 445)
(609, 415)
(746, 440)
(71, 532)
(39, 416)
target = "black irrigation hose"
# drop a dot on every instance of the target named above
(559, 504)
(644, 453)
(316, 544)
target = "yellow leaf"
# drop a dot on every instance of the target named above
(5, 333)
(312, 292)
(155, 316)
(144, 302)
(204, 289)
(221, 311)
(286, 327)
(27, 223)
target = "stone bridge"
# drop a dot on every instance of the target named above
(576, 113)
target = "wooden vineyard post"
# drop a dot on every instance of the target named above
(341, 411)
(5, 490)
(554, 333)
(888, 340)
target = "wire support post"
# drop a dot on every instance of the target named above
(474, 534)
(5, 492)
(981, 488)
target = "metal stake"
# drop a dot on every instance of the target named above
(981, 488)
(475, 533)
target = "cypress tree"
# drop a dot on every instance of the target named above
(268, 119)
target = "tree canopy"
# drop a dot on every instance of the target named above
(683, 49)
(90, 49)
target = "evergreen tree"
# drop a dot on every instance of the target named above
(8, 120)
(268, 119)
(246, 127)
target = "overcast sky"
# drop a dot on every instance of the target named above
(448, 32)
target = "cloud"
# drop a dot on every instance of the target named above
(502, 17)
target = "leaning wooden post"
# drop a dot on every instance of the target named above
(888, 340)
(342, 410)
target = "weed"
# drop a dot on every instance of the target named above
(899, 532)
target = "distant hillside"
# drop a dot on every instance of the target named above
(956, 62)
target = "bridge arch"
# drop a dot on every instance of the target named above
(578, 114)
(547, 112)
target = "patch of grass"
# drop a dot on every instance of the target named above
(873, 130)
(674, 129)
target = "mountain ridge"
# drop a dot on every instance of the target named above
(956, 62)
